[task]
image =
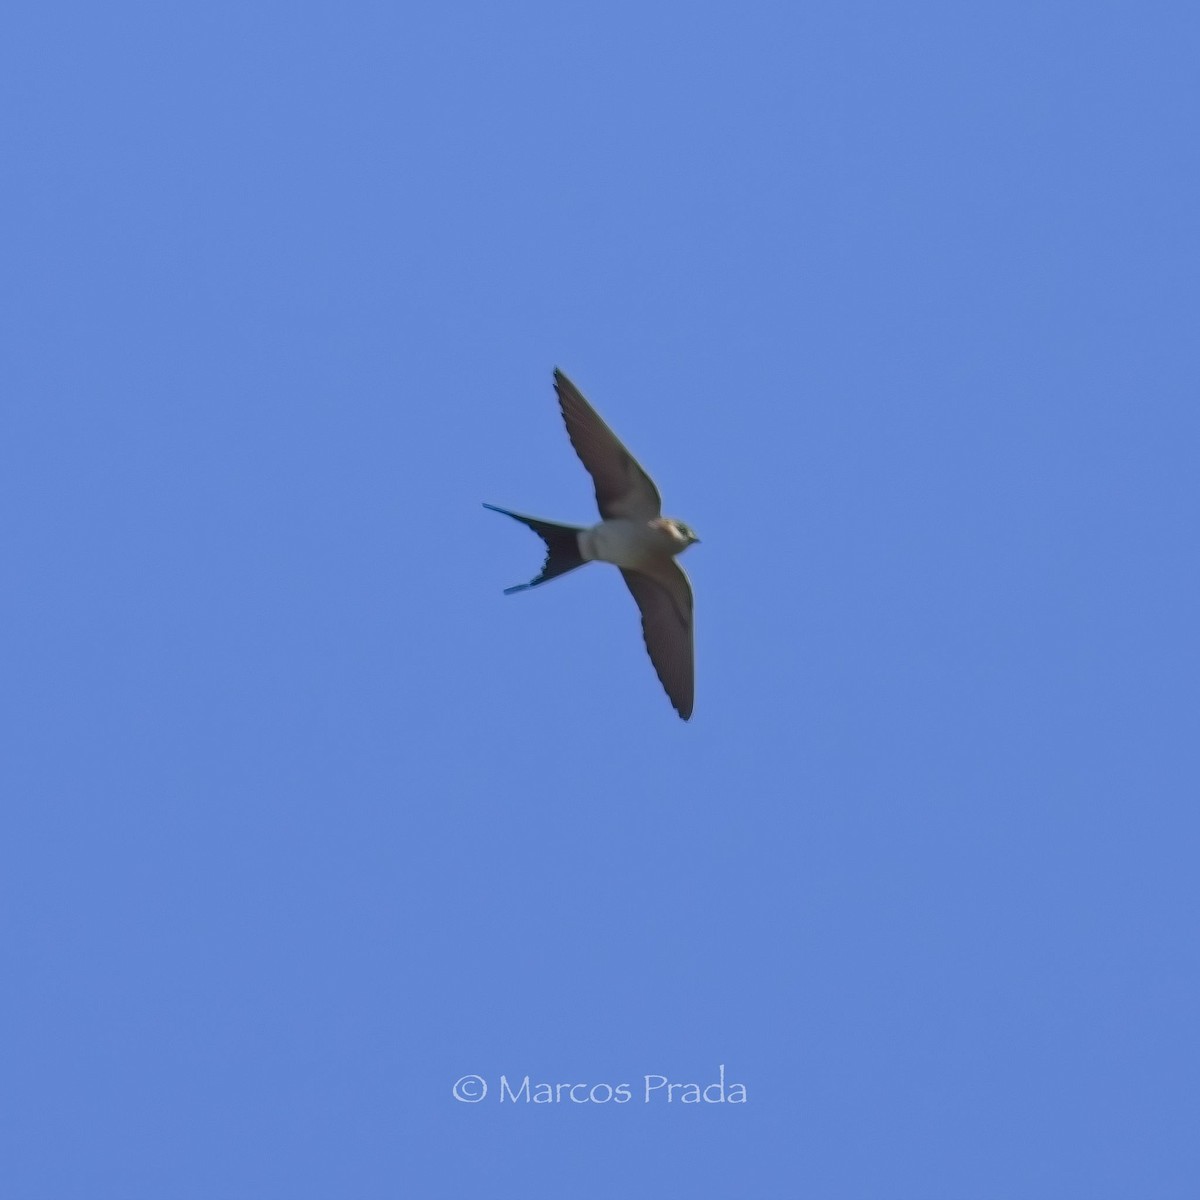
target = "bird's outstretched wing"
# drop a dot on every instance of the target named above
(665, 597)
(623, 489)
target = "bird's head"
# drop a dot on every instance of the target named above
(683, 534)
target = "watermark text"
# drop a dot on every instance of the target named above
(649, 1089)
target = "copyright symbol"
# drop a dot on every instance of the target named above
(470, 1089)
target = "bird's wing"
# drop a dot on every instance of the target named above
(623, 489)
(664, 595)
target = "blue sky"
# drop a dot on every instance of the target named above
(304, 821)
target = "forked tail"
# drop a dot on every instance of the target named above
(562, 548)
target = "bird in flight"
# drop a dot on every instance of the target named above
(632, 534)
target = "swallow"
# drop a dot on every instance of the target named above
(632, 535)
